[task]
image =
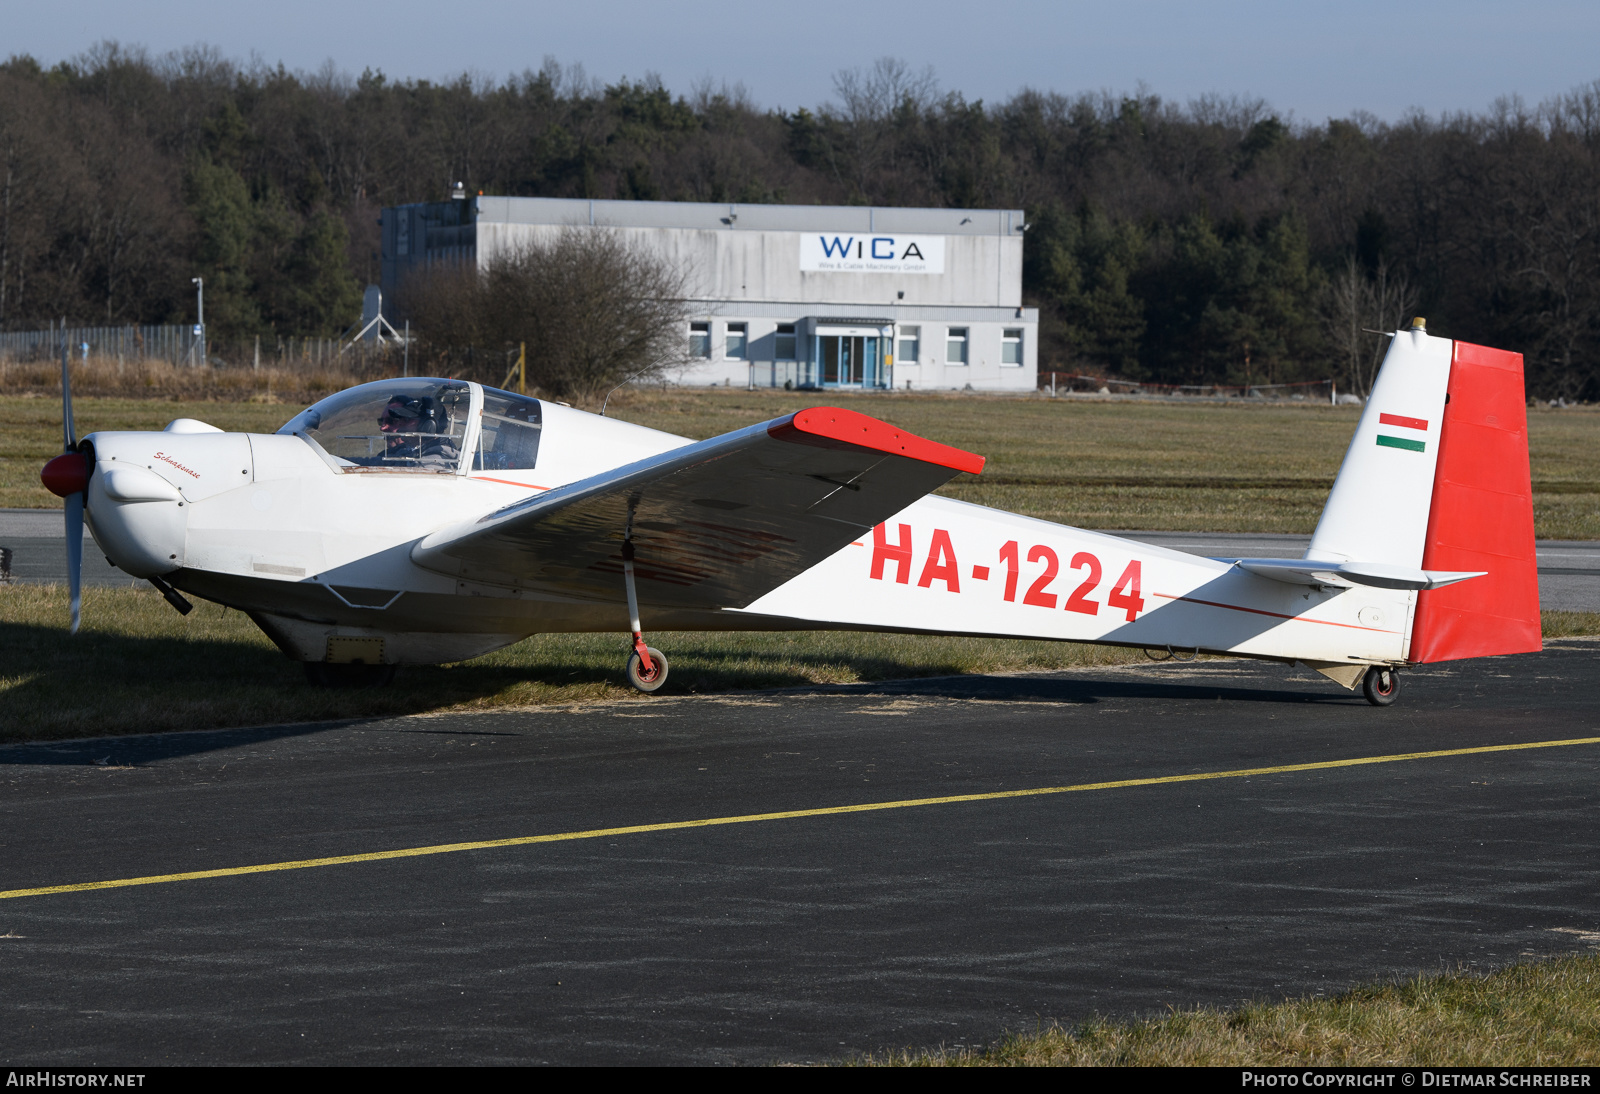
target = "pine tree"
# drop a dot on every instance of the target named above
(219, 201)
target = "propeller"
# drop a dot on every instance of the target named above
(67, 477)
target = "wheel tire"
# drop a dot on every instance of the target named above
(1381, 685)
(636, 674)
(324, 675)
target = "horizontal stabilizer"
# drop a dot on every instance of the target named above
(1310, 571)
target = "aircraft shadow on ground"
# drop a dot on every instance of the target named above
(134, 750)
(144, 748)
(1082, 688)
(145, 699)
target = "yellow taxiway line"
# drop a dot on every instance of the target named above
(790, 814)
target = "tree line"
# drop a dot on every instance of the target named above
(1211, 241)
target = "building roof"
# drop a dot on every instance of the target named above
(740, 217)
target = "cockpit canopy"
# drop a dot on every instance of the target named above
(409, 424)
(420, 424)
(512, 425)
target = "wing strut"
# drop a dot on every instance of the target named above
(647, 669)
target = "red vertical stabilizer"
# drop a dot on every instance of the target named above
(1481, 517)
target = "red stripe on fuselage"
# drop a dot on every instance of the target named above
(1275, 615)
(508, 482)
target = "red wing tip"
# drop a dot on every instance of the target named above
(851, 427)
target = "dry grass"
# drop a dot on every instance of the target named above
(139, 667)
(152, 378)
(1539, 1014)
(1156, 466)
(1570, 624)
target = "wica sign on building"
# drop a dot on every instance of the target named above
(842, 253)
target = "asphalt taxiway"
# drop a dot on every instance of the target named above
(557, 898)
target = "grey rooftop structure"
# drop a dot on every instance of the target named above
(717, 216)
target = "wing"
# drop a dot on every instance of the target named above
(714, 524)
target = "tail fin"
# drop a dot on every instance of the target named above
(1378, 510)
(1481, 517)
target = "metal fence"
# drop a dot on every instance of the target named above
(167, 342)
(180, 346)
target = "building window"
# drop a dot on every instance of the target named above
(1011, 346)
(955, 346)
(909, 339)
(783, 344)
(738, 334)
(699, 339)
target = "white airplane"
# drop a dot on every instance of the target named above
(416, 521)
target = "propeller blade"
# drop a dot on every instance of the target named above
(74, 500)
(74, 508)
(68, 429)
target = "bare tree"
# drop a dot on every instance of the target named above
(1355, 308)
(593, 312)
(1343, 302)
(869, 100)
(29, 172)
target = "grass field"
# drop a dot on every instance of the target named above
(1155, 466)
(1538, 1014)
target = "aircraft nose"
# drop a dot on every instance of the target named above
(66, 475)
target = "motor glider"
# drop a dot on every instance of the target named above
(429, 520)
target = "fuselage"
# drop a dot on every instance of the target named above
(311, 530)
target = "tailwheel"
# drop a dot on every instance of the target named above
(651, 678)
(1381, 685)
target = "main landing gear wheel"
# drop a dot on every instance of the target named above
(647, 681)
(1381, 685)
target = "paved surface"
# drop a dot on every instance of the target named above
(37, 540)
(1569, 571)
(803, 938)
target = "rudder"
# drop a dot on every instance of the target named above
(1481, 517)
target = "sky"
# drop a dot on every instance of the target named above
(1311, 61)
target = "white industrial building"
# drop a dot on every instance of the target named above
(813, 296)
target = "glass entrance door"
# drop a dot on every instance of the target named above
(847, 360)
